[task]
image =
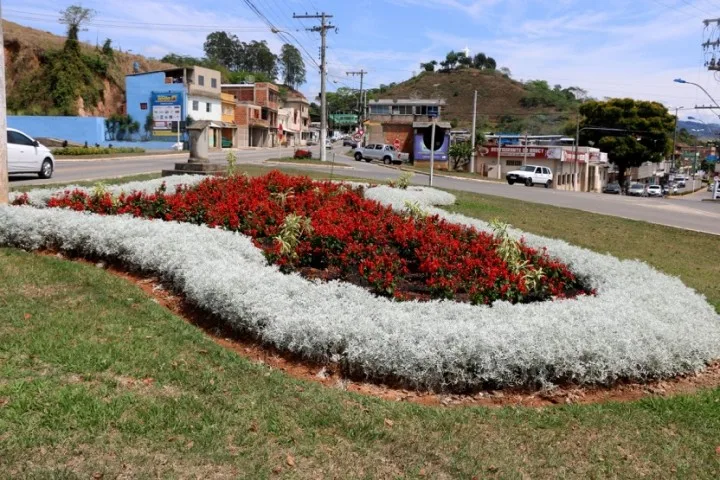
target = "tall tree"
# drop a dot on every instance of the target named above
(74, 17)
(259, 58)
(222, 48)
(479, 60)
(643, 131)
(490, 63)
(293, 66)
(429, 66)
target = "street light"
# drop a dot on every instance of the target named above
(680, 80)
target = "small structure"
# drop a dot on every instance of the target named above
(199, 161)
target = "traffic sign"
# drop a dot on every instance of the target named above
(361, 132)
(357, 137)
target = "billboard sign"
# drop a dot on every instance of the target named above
(167, 111)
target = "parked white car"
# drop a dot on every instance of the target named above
(531, 175)
(27, 155)
(654, 191)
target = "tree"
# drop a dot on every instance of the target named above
(293, 66)
(222, 48)
(259, 58)
(107, 49)
(479, 61)
(490, 64)
(429, 66)
(460, 154)
(450, 61)
(645, 136)
(506, 71)
(74, 17)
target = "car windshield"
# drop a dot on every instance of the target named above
(527, 168)
(636, 186)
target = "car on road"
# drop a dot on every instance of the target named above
(654, 191)
(530, 175)
(670, 189)
(613, 188)
(349, 142)
(637, 190)
(27, 155)
(382, 152)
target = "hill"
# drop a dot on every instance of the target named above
(704, 131)
(29, 55)
(504, 104)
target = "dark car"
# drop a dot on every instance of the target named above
(613, 188)
(349, 142)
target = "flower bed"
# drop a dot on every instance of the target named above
(641, 324)
(325, 230)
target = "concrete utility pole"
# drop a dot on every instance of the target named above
(577, 144)
(4, 182)
(323, 28)
(672, 162)
(474, 126)
(362, 74)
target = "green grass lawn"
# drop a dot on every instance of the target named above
(98, 379)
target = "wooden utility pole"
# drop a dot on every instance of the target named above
(362, 74)
(323, 28)
(4, 182)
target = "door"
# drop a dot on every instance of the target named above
(546, 174)
(368, 151)
(377, 153)
(22, 153)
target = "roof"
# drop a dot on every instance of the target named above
(429, 124)
(166, 70)
(236, 85)
(407, 101)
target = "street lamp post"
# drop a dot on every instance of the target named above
(680, 80)
(674, 148)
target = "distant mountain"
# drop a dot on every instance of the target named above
(704, 131)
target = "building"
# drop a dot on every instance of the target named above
(162, 101)
(585, 172)
(256, 112)
(297, 101)
(402, 121)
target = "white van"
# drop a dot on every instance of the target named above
(26, 155)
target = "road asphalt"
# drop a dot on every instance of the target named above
(686, 212)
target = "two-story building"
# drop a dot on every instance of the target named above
(164, 100)
(256, 112)
(408, 122)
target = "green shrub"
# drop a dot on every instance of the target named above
(77, 151)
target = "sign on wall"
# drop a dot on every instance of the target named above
(166, 111)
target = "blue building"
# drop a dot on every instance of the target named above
(173, 95)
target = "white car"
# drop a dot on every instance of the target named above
(654, 191)
(26, 155)
(531, 175)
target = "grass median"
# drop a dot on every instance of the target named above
(96, 379)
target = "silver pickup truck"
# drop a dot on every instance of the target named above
(380, 151)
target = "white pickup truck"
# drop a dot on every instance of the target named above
(530, 175)
(380, 151)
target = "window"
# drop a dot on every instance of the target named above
(389, 148)
(380, 109)
(402, 110)
(196, 105)
(201, 80)
(513, 163)
(143, 106)
(378, 147)
(546, 171)
(433, 110)
(370, 147)
(538, 170)
(19, 139)
(213, 82)
(208, 107)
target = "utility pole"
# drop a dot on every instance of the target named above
(4, 182)
(577, 144)
(362, 74)
(672, 164)
(525, 150)
(323, 28)
(432, 151)
(474, 126)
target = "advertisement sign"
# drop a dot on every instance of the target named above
(421, 150)
(167, 110)
(519, 152)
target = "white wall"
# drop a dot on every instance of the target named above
(201, 113)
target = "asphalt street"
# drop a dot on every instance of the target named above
(686, 212)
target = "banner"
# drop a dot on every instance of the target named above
(167, 110)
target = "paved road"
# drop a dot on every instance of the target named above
(681, 212)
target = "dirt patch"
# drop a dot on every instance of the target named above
(331, 376)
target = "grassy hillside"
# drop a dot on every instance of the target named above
(503, 103)
(28, 58)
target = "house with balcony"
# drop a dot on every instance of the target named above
(164, 100)
(256, 112)
(297, 101)
(404, 120)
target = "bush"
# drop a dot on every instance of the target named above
(78, 151)
(303, 154)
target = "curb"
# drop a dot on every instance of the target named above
(112, 159)
(311, 165)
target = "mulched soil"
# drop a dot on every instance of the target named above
(330, 376)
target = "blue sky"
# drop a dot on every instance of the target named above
(611, 48)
